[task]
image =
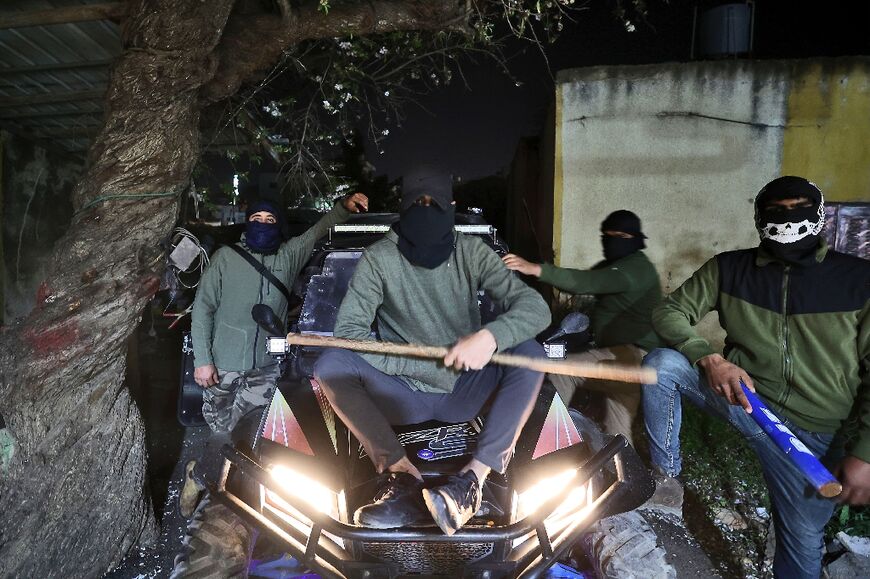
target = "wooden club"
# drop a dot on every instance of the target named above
(617, 373)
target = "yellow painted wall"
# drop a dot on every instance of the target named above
(827, 138)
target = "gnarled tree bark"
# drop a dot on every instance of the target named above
(72, 503)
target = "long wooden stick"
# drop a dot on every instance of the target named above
(617, 373)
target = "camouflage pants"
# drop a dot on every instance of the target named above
(237, 394)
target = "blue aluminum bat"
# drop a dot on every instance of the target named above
(802, 457)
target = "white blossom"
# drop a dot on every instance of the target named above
(272, 109)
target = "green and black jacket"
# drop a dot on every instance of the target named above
(802, 334)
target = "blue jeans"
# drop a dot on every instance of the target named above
(799, 513)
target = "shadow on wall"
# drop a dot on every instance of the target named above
(35, 191)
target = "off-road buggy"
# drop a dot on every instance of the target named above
(293, 488)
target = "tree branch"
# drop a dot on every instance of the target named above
(253, 43)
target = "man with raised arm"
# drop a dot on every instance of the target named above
(229, 348)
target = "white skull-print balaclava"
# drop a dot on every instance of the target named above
(790, 235)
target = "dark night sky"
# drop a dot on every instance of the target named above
(473, 131)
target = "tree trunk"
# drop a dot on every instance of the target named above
(72, 503)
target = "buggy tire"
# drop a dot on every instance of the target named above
(624, 546)
(217, 544)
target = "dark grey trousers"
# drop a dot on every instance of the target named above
(369, 402)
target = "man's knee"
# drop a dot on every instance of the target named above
(529, 348)
(334, 362)
(664, 358)
(666, 361)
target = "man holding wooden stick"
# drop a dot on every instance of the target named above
(420, 284)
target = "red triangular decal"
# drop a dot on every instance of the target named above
(326, 409)
(282, 427)
(558, 430)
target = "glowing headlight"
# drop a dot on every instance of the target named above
(532, 499)
(310, 491)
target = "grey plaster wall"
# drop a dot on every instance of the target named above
(685, 146)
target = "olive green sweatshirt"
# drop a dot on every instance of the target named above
(222, 330)
(628, 291)
(435, 307)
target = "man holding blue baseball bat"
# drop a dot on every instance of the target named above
(797, 318)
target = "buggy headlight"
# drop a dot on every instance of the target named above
(310, 491)
(532, 498)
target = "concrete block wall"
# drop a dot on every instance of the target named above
(687, 146)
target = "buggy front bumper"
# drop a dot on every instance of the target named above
(525, 548)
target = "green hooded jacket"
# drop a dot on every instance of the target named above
(222, 330)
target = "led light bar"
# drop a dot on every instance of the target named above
(363, 228)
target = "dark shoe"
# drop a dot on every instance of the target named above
(397, 503)
(668, 496)
(452, 504)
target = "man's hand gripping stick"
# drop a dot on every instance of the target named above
(801, 456)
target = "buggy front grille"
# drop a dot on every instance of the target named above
(447, 559)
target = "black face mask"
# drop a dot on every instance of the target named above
(426, 235)
(619, 247)
(263, 237)
(790, 235)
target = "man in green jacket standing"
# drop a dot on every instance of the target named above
(420, 284)
(797, 318)
(627, 287)
(229, 348)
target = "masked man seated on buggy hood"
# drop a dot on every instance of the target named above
(420, 284)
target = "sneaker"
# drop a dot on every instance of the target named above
(191, 492)
(668, 496)
(452, 504)
(397, 503)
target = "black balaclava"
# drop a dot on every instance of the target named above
(791, 236)
(619, 247)
(425, 233)
(264, 238)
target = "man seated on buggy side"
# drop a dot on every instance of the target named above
(420, 283)
(627, 289)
